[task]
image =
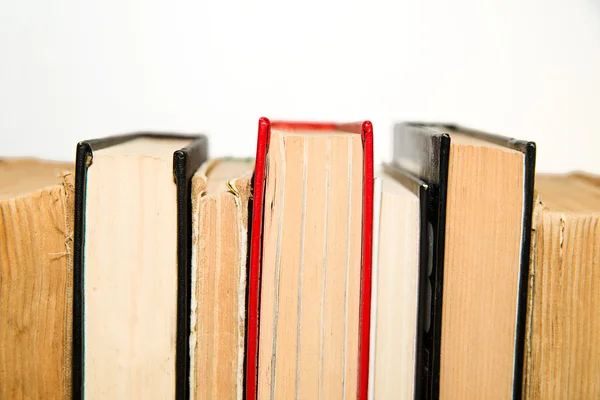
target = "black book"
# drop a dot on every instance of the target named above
(131, 302)
(475, 191)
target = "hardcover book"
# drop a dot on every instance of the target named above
(310, 261)
(408, 222)
(472, 315)
(132, 274)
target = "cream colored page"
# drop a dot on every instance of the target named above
(337, 227)
(274, 189)
(130, 278)
(353, 269)
(311, 267)
(397, 288)
(311, 286)
(288, 267)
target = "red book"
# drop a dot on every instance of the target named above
(286, 272)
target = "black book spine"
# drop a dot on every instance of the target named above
(185, 163)
(422, 150)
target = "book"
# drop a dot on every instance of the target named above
(132, 265)
(395, 288)
(403, 253)
(36, 278)
(483, 192)
(310, 261)
(562, 352)
(220, 202)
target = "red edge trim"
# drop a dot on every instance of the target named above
(264, 132)
(367, 260)
(365, 129)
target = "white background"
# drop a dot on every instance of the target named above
(73, 70)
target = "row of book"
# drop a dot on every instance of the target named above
(147, 270)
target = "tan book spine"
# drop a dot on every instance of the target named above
(562, 351)
(36, 292)
(220, 230)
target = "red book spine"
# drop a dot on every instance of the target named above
(365, 129)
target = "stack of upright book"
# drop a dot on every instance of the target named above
(147, 270)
